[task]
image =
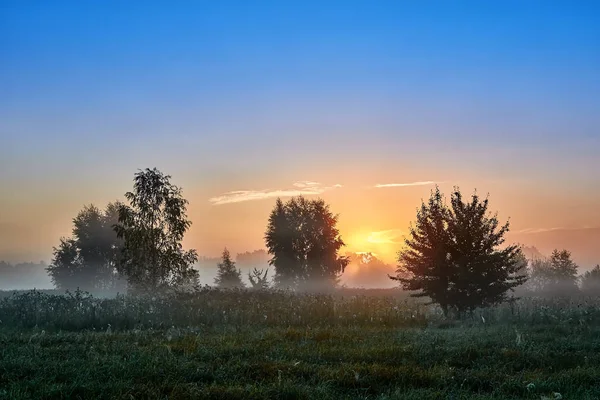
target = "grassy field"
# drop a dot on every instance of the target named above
(545, 350)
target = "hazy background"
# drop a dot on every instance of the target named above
(281, 98)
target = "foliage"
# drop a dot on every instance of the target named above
(258, 279)
(554, 276)
(590, 282)
(228, 276)
(454, 255)
(152, 227)
(88, 259)
(304, 242)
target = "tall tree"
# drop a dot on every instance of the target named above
(152, 227)
(454, 255)
(304, 242)
(424, 265)
(228, 276)
(88, 259)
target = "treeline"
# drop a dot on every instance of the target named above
(455, 253)
(23, 276)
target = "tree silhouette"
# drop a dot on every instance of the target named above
(426, 258)
(304, 242)
(453, 255)
(554, 276)
(228, 276)
(258, 279)
(88, 259)
(152, 227)
(590, 282)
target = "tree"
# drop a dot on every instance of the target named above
(258, 279)
(88, 259)
(152, 227)
(453, 255)
(368, 271)
(304, 242)
(590, 282)
(228, 276)
(554, 276)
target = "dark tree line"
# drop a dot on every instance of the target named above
(455, 253)
(135, 247)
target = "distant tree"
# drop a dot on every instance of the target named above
(228, 276)
(522, 264)
(258, 279)
(590, 282)
(554, 276)
(25, 275)
(453, 255)
(367, 271)
(304, 242)
(255, 258)
(88, 259)
(152, 227)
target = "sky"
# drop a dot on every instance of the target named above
(365, 104)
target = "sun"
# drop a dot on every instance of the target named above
(378, 243)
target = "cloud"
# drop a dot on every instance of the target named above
(542, 230)
(387, 236)
(388, 185)
(300, 188)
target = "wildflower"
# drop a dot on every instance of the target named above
(530, 386)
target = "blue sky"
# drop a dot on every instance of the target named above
(254, 94)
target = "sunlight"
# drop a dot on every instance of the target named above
(379, 244)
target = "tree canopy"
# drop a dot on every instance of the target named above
(554, 276)
(303, 240)
(453, 255)
(590, 282)
(88, 259)
(152, 227)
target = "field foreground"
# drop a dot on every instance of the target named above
(248, 345)
(474, 362)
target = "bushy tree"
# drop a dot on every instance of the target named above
(453, 255)
(590, 282)
(554, 276)
(228, 276)
(258, 279)
(152, 227)
(88, 259)
(304, 242)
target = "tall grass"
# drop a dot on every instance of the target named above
(242, 308)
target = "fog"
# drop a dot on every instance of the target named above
(365, 271)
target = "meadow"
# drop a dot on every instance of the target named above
(238, 344)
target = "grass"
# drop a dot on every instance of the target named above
(557, 352)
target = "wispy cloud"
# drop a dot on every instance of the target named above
(542, 230)
(387, 236)
(389, 185)
(299, 188)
